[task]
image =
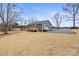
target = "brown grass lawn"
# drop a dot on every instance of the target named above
(39, 43)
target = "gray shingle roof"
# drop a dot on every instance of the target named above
(40, 22)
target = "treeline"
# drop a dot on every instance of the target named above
(10, 16)
(71, 13)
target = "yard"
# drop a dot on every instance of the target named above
(39, 43)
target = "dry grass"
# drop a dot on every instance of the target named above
(39, 43)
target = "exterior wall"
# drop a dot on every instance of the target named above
(47, 26)
(41, 26)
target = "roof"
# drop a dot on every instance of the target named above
(40, 22)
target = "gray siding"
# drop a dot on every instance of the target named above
(39, 26)
(42, 25)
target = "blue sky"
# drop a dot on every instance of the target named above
(42, 11)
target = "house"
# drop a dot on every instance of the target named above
(40, 26)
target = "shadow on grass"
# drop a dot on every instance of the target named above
(9, 33)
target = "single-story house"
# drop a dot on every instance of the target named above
(44, 25)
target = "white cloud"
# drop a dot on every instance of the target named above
(16, 10)
(61, 12)
(35, 8)
(52, 13)
(42, 17)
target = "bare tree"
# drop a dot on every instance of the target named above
(21, 23)
(25, 22)
(5, 13)
(57, 19)
(2, 14)
(13, 19)
(11, 16)
(72, 9)
(32, 20)
(8, 15)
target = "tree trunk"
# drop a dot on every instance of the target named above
(74, 15)
(74, 21)
(58, 26)
(5, 29)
